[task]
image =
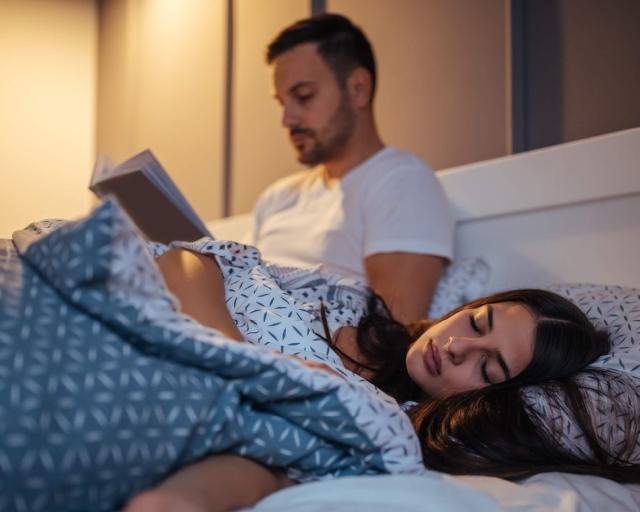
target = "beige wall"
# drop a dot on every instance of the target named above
(442, 75)
(261, 151)
(160, 67)
(161, 86)
(601, 66)
(47, 109)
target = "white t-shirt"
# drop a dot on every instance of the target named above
(391, 202)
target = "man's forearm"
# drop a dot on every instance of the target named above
(405, 281)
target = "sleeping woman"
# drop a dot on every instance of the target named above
(461, 377)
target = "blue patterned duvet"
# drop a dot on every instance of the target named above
(106, 388)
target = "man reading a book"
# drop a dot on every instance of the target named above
(364, 210)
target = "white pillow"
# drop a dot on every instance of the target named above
(614, 399)
(462, 282)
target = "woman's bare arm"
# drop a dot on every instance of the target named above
(216, 483)
(197, 282)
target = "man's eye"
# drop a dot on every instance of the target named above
(474, 325)
(304, 98)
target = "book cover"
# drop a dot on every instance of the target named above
(150, 197)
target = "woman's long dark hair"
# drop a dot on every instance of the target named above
(383, 343)
(494, 431)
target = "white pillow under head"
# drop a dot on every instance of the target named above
(614, 399)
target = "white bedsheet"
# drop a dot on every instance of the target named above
(436, 492)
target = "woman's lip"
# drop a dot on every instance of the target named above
(432, 359)
(436, 356)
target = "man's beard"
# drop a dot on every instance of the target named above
(336, 135)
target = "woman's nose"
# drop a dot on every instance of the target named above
(459, 347)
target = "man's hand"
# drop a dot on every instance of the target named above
(406, 281)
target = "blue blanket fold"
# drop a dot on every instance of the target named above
(106, 388)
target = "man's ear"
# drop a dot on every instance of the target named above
(360, 87)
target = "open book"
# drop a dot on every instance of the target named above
(149, 196)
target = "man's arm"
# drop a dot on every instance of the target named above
(406, 281)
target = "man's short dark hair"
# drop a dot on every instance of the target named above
(341, 44)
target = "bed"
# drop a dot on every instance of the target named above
(107, 387)
(564, 214)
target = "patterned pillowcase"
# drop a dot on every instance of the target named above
(614, 398)
(462, 282)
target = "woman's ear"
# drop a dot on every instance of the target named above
(360, 87)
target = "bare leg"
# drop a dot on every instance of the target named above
(217, 483)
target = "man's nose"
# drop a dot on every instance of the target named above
(289, 116)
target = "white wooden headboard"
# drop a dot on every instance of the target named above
(568, 213)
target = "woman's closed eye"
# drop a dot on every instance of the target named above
(485, 360)
(483, 371)
(474, 324)
(482, 322)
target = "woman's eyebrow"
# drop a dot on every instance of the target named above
(499, 357)
(503, 365)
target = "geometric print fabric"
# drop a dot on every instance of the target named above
(100, 399)
(278, 308)
(613, 391)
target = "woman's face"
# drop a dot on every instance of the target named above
(472, 349)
